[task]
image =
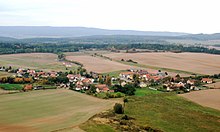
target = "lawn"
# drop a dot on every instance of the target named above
(166, 112)
(48, 110)
(11, 86)
(145, 91)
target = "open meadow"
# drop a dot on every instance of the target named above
(97, 64)
(40, 61)
(47, 110)
(160, 111)
(208, 98)
(191, 62)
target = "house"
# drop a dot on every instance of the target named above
(126, 75)
(28, 87)
(123, 83)
(191, 82)
(31, 72)
(79, 87)
(146, 77)
(73, 78)
(88, 81)
(53, 74)
(143, 85)
(207, 80)
(101, 88)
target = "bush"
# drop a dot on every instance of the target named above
(118, 108)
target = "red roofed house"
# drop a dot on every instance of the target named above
(73, 78)
(101, 88)
(207, 80)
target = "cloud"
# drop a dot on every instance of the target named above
(160, 15)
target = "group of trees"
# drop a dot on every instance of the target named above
(18, 80)
(128, 89)
(15, 47)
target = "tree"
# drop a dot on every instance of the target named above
(136, 80)
(125, 100)
(71, 72)
(118, 109)
(92, 89)
(108, 81)
(101, 79)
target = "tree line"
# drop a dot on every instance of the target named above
(15, 47)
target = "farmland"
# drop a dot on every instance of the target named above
(214, 85)
(99, 65)
(208, 98)
(191, 62)
(40, 61)
(5, 74)
(47, 110)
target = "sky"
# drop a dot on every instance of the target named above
(191, 16)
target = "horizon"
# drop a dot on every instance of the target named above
(112, 29)
(143, 15)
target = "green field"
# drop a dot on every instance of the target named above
(11, 86)
(47, 110)
(164, 111)
(145, 91)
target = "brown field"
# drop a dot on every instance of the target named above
(48, 110)
(192, 62)
(208, 98)
(5, 74)
(41, 61)
(214, 85)
(97, 64)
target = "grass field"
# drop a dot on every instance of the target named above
(164, 111)
(47, 110)
(169, 112)
(41, 61)
(97, 64)
(189, 62)
(145, 91)
(11, 86)
(208, 98)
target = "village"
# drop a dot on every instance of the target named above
(93, 83)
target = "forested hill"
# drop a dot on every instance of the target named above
(46, 31)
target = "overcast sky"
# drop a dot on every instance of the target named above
(192, 16)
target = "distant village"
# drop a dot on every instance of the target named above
(94, 83)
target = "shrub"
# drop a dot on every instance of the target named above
(118, 108)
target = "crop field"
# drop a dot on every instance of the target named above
(191, 62)
(213, 85)
(97, 64)
(208, 98)
(5, 74)
(40, 61)
(48, 110)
